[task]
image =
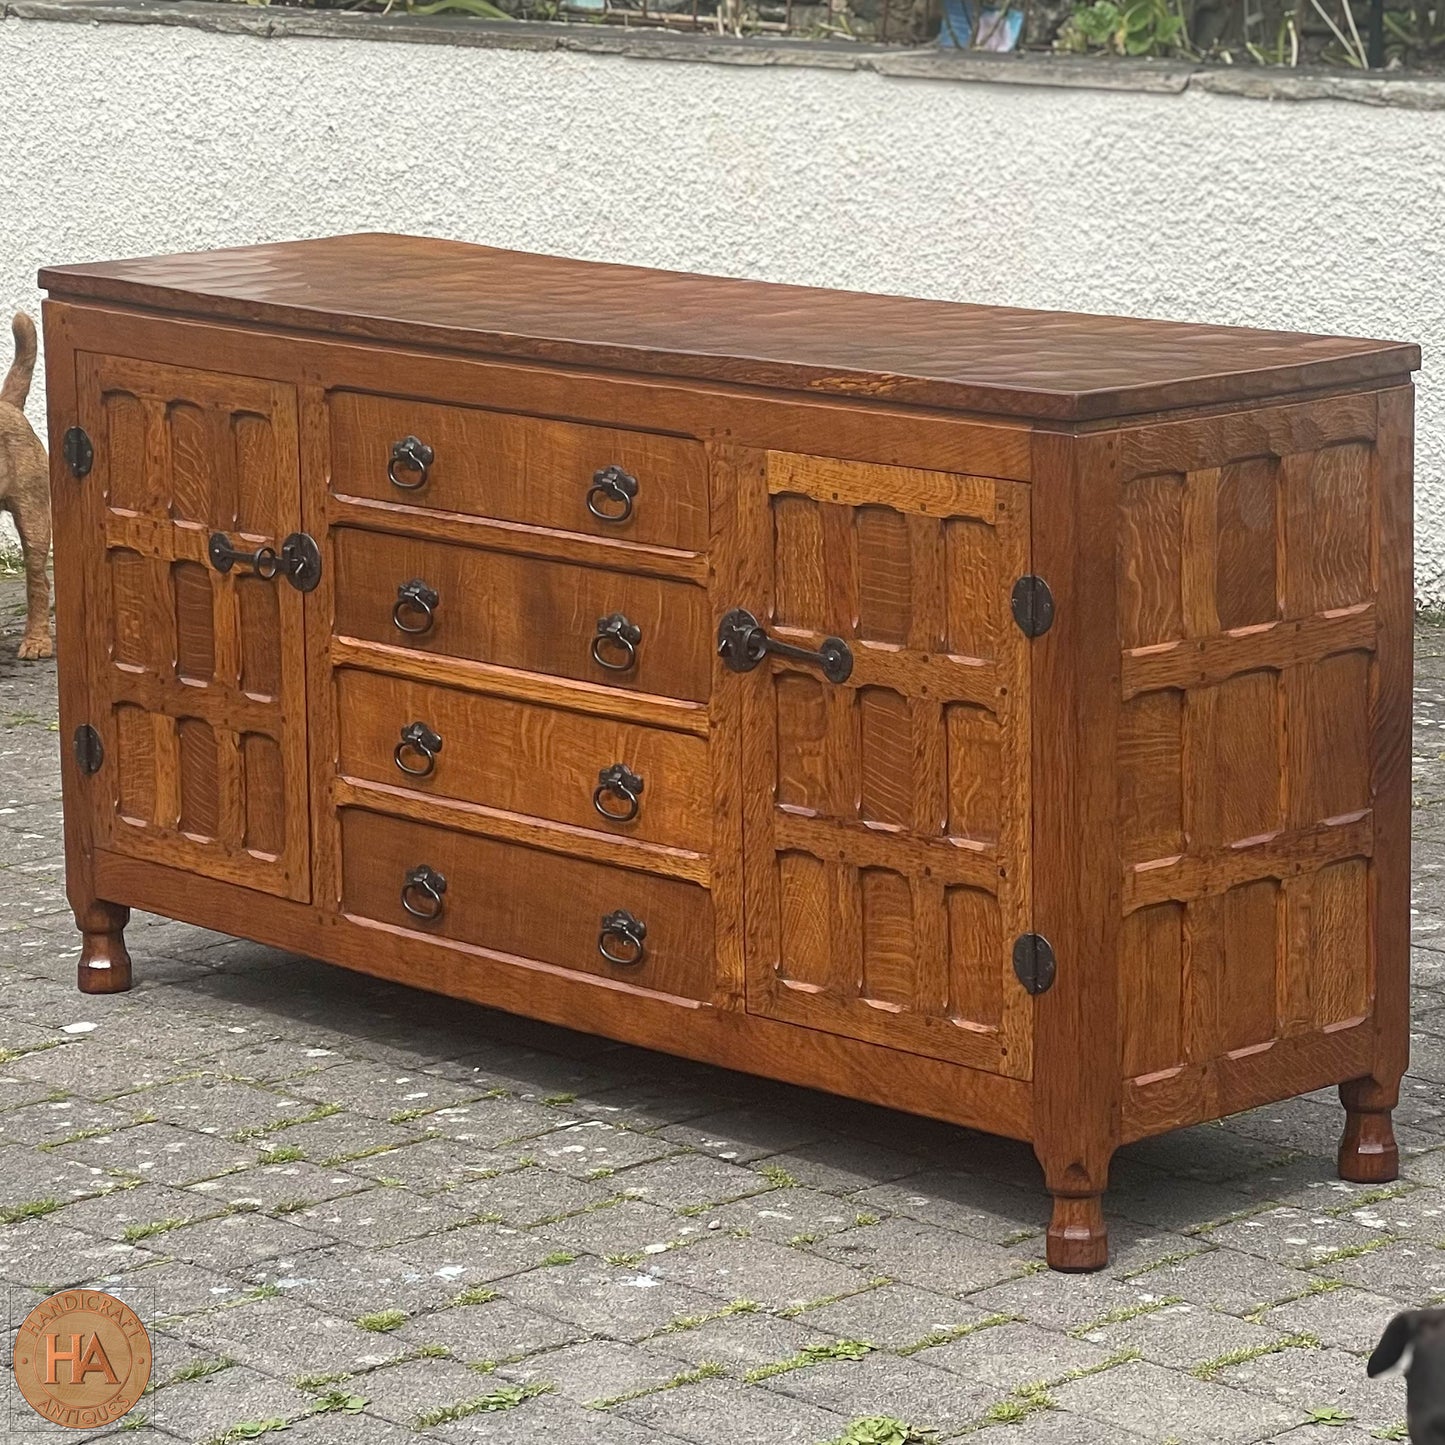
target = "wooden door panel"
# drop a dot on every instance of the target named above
(1250, 571)
(887, 866)
(198, 684)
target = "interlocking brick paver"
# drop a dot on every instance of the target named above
(261, 1152)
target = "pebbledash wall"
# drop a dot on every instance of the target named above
(1240, 197)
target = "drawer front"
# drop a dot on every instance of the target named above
(597, 480)
(524, 612)
(591, 772)
(528, 903)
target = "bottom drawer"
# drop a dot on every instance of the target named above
(529, 903)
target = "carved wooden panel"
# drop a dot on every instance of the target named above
(1249, 566)
(888, 878)
(197, 677)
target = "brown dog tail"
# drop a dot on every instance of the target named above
(16, 386)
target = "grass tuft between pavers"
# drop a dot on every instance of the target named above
(31, 1209)
(708, 1370)
(883, 1430)
(507, 1398)
(810, 1355)
(383, 1321)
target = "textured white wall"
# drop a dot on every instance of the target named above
(121, 140)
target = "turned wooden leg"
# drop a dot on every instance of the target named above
(104, 962)
(1368, 1152)
(1078, 1237)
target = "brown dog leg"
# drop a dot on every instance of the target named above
(31, 506)
(1368, 1152)
(104, 961)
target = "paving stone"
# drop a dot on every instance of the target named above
(52, 1122)
(235, 1241)
(756, 1269)
(592, 1145)
(1352, 1319)
(373, 1088)
(161, 1152)
(379, 1217)
(353, 1282)
(432, 1166)
(1298, 1237)
(1005, 1356)
(1407, 1270)
(1327, 1379)
(920, 1254)
(594, 1370)
(884, 1384)
(340, 1428)
(1184, 1335)
(788, 1214)
(342, 1138)
(496, 1330)
(1226, 1279)
(286, 1338)
(686, 1181)
(893, 1316)
(111, 1215)
(723, 1412)
(551, 1418)
(401, 1393)
(1086, 1299)
(50, 1257)
(533, 1195)
(980, 1207)
(478, 1254)
(267, 1186)
(741, 1341)
(612, 1302)
(626, 1228)
(201, 1409)
(1160, 1404)
(844, 1165)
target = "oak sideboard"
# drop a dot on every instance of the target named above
(999, 715)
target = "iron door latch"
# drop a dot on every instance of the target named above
(1034, 962)
(76, 448)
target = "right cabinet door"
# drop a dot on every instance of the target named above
(886, 815)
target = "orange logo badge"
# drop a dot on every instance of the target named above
(82, 1358)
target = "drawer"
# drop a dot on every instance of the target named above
(525, 758)
(524, 612)
(528, 903)
(520, 469)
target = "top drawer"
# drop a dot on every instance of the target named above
(595, 480)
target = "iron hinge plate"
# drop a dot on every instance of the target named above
(1033, 606)
(77, 450)
(88, 750)
(1034, 962)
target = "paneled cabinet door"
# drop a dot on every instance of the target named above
(886, 815)
(197, 681)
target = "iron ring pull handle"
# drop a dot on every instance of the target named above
(298, 559)
(742, 643)
(415, 456)
(627, 936)
(430, 885)
(415, 598)
(615, 485)
(417, 737)
(618, 781)
(618, 633)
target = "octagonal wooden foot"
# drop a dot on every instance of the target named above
(104, 960)
(1078, 1238)
(1368, 1152)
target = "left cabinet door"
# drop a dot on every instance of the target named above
(197, 682)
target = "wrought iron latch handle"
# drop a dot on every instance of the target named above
(742, 643)
(298, 560)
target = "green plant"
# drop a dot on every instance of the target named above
(883, 1430)
(383, 1321)
(1125, 27)
(340, 1400)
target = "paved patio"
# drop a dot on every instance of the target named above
(359, 1214)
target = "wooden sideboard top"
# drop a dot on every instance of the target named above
(1027, 364)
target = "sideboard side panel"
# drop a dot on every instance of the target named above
(1263, 594)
